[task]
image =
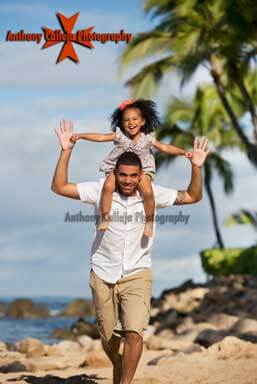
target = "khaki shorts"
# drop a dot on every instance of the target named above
(123, 306)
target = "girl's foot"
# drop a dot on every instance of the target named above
(104, 224)
(148, 231)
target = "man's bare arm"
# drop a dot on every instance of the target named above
(60, 184)
(193, 194)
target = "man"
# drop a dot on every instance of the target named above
(121, 275)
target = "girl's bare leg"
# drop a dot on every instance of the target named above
(146, 190)
(106, 201)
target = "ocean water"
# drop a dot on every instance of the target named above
(12, 330)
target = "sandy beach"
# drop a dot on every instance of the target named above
(198, 334)
(207, 367)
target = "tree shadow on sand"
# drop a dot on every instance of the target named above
(50, 379)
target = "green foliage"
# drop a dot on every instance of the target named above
(218, 35)
(222, 262)
(244, 216)
(146, 80)
(204, 115)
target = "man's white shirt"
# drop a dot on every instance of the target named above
(122, 249)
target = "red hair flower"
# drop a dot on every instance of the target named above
(125, 103)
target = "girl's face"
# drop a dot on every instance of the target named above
(132, 121)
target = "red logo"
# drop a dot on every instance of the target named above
(55, 37)
(65, 35)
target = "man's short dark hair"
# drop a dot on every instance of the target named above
(128, 158)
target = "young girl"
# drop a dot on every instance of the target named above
(133, 124)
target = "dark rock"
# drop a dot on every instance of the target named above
(15, 366)
(11, 347)
(168, 319)
(63, 334)
(83, 327)
(25, 308)
(188, 284)
(80, 327)
(207, 337)
(2, 310)
(248, 336)
(79, 308)
(193, 348)
(245, 325)
(156, 360)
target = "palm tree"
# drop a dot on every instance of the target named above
(241, 48)
(205, 115)
(193, 33)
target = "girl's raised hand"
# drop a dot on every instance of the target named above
(64, 133)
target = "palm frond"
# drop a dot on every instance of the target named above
(145, 82)
(144, 45)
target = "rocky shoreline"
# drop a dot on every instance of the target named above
(198, 334)
(28, 309)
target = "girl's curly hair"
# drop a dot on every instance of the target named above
(149, 113)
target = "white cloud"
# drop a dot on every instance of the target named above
(20, 67)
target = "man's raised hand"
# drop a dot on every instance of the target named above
(64, 133)
(200, 151)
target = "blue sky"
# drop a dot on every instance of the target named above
(39, 253)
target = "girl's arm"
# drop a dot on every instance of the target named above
(168, 148)
(99, 137)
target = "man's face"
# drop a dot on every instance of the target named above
(128, 177)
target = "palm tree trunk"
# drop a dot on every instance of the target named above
(249, 104)
(250, 148)
(246, 96)
(213, 210)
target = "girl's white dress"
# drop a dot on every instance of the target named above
(122, 143)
